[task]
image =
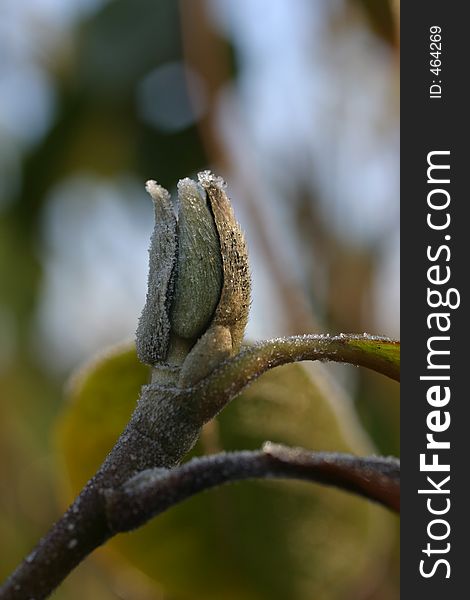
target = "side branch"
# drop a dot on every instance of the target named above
(380, 354)
(153, 491)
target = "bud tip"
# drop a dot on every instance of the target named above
(207, 178)
(156, 191)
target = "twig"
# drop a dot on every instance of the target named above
(235, 374)
(153, 491)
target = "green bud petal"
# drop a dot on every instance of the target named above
(199, 271)
(153, 331)
(234, 305)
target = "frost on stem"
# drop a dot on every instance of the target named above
(153, 491)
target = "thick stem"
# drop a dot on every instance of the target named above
(84, 526)
(79, 531)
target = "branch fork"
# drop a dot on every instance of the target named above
(191, 333)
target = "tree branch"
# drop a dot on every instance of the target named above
(191, 383)
(163, 428)
(153, 491)
(160, 432)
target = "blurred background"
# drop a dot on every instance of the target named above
(293, 102)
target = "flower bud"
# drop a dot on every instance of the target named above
(199, 283)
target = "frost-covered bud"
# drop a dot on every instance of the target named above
(199, 283)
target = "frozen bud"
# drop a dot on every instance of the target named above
(199, 266)
(153, 331)
(199, 282)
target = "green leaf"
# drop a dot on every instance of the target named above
(100, 399)
(254, 540)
